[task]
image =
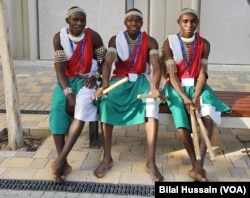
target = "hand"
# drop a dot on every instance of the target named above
(196, 102)
(98, 93)
(70, 104)
(189, 105)
(90, 82)
(160, 94)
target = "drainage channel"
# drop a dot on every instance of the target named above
(78, 187)
(29, 111)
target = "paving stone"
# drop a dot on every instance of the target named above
(19, 173)
(24, 154)
(183, 169)
(239, 162)
(136, 177)
(89, 165)
(7, 153)
(238, 172)
(39, 163)
(2, 159)
(2, 170)
(128, 140)
(17, 162)
(162, 158)
(42, 153)
(125, 166)
(240, 132)
(111, 177)
(93, 155)
(174, 159)
(182, 178)
(42, 174)
(124, 156)
(35, 86)
(227, 179)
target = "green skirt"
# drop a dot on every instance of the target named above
(180, 115)
(121, 107)
(59, 119)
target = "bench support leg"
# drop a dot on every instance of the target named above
(93, 131)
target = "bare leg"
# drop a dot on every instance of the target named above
(107, 161)
(59, 143)
(185, 137)
(61, 167)
(208, 123)
(152, 132)
(187, 141)
(198, 168)
(197, 172)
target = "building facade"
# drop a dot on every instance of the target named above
(225, 23)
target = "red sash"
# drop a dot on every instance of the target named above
(124, 67)
(194, 67)
(78, 64)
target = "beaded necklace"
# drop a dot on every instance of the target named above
(132, 44)
(186, 56)
(82, 50)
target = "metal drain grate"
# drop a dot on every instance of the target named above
(42, 112)
(78, 187)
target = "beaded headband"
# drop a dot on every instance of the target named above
(188, 10)
(73, 10)
(133, 12)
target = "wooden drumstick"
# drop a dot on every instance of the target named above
(116, 84)
(204, 133)
(195, 135)
(140, 96)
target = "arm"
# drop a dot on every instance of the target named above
(155, 62)
(60, 63)
(171, 69)
(202, 78)
(107, 67)
(99, 52)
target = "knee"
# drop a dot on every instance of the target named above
(207, 120)
(183, 133)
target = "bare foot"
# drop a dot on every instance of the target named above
(103, 168)
(56, 171)
(154, 173)
(199, 176)
(67, 169)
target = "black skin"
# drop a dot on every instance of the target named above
(60, 167)
(188, 23)
(133, 24)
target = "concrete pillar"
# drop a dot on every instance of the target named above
(157, 20)
(32, 10)
(195, 4)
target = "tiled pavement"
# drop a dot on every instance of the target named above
(35, 84)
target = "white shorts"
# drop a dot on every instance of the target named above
(152, 108)
(85, 110)
(152, 105)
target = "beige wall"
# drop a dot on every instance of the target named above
(163, 16)
(225, 23)
(104, 16)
